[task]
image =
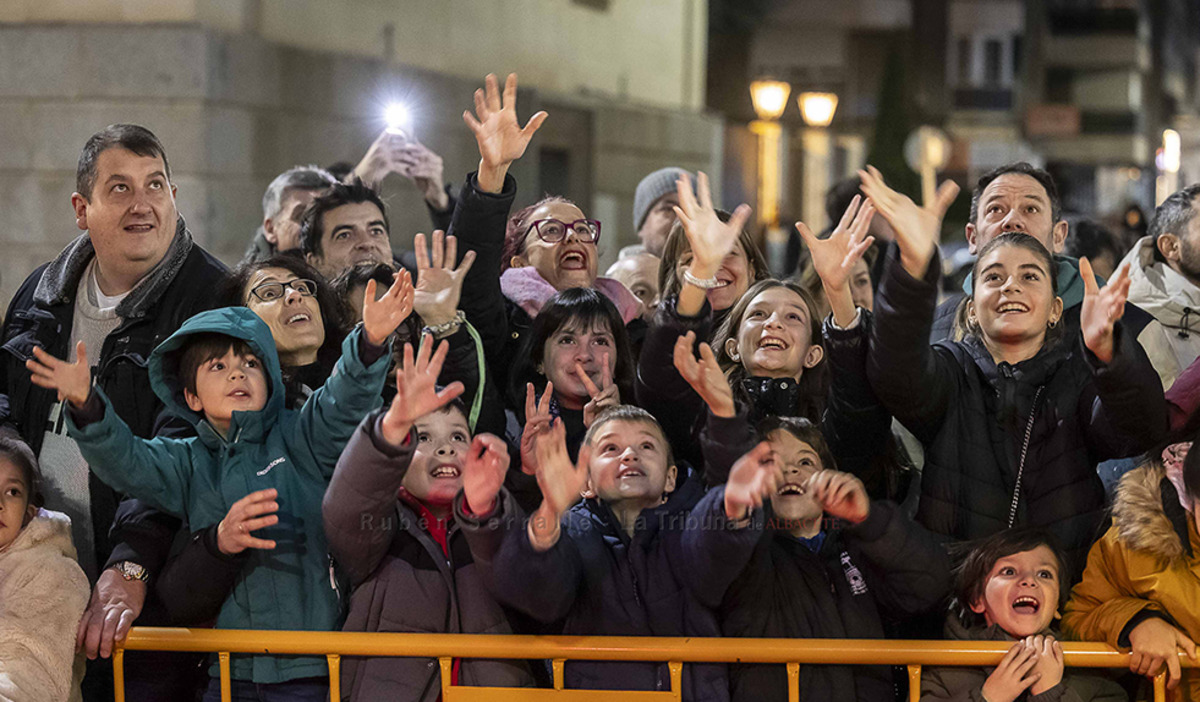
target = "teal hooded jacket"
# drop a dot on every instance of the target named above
(199, 479)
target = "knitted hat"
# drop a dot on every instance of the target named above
(652, 187)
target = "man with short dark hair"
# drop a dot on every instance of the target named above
(345, 227)
(1019, 197)
(1164, 272)
(114, 293)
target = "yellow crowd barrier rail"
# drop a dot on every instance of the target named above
(559, 649)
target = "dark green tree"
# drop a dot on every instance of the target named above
(894, 121)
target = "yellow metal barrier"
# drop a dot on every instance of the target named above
(334, 645)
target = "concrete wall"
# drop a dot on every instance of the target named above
(235, 110)
(647, 51)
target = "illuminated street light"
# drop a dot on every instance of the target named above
(817, 108)
(770, 98)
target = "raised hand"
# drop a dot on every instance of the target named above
(840, 495)
(381, 317)
(249, 514)
(537, 420)
(1049, 666)
(380, 159)
(605, 395)
(834, 258)
(1101, 309)
(753, 478)
(72, 381)
(424, 168)
(917, 228)
(560, 479)
(483, 473)
(500, 136)
(710, 238)
(1013, 676)
(439, 283)
(704, 375)
(416, 390)
(1154, 643)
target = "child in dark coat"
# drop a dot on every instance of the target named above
(1009, 588)
(388, 521)
(798, 574)
(612, 565)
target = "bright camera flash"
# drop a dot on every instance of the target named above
(397, 118)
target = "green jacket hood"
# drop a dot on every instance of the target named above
(1070, 283)
(237, 322)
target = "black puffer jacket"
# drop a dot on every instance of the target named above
(599, 581)
(971, 415)
(886, 566)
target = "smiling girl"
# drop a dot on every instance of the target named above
(1013, 421)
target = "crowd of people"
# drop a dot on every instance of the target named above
(483, 435)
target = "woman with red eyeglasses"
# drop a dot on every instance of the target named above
(524, 260)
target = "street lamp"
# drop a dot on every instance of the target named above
(817, 109)
(1169, 157)
(770, 99)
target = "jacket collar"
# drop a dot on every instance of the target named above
(1155, 287)
(61, 277)
(1148, 516)
(772, 396)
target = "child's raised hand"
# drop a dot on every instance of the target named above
(483, 472)
(840, 495)
(416, 390)
(73, 381)
(605, 395)
(1049, 666)
(834, 257)
(710, 238)
(1155, 642)
(247, 515)
(537, 420)
(560, 480)
(917, 228)
(753, 478)
(1013, 676)
(704, 375)
(1101, 309)
(439, 283)
(381, 317)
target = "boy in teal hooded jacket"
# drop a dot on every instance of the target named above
(246, 441)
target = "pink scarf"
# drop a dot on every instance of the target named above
(530, 291)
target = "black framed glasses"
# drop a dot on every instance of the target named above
(553, 230)
(269, 292)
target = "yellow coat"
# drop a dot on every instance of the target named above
(1141, 563)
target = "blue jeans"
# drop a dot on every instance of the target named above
(302, 690)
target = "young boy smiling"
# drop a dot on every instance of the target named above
(221, 371)
(612, 565)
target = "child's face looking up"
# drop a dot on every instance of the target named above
(1014, 298)
(775, 336)
(15, 510)
(798, 461)
(435, 474)
(1021, 594)
(228, 384)
(629, 462)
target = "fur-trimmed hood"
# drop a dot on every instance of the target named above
(62, 275)
(1147, 514)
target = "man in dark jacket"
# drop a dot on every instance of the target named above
(1018, 197)
(121, 287)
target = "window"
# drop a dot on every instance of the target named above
(992, 53)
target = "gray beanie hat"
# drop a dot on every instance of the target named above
(654, 186)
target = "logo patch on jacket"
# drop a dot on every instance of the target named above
(271, 465)
(858, 585)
